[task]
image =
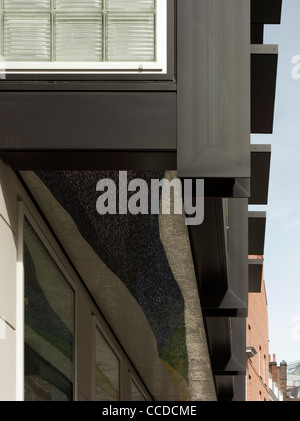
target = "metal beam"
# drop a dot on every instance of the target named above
(97, 160)
(264, 61)
(213, 88)
(255, 275)
(260, 173)
(266, 11)
(257, 228)
(221, 256)
(81, 121)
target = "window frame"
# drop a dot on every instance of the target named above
(96, 324)
(133, 379)
(55, 252)
(160, 67)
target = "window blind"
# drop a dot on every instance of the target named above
(78, 30)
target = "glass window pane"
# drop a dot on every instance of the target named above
(26, 4)
(131, 4)
(78, 4)
(27, 37)
(136, 394)
(130, 37)
(78, 38)
(107, 371)
(74, 31)
(49, 325)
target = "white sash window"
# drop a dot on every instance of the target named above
(83, 35)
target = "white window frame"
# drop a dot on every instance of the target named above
(96, 325)
(159, 66)
(55, 253)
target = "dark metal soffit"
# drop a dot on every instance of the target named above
(257, 228)
(264, 59)
(255, 274)
(260, 173)
(266, 11)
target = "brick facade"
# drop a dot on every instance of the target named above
(258, 337)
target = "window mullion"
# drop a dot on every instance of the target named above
(104, 23)
(155, 31)
(53, 21)
(2, 31)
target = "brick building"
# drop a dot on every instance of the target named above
(258, 346)
(279, 375)
(275, 394)
(265, 380)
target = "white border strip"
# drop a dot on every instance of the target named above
(20, 306)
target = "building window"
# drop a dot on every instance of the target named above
(60, 36)
(107, 369)
(49, 324)
(259, 362)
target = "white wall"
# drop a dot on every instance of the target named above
(8, 257)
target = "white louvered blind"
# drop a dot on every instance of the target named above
(70, 34)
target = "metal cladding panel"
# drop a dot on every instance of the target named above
(238, 251)
(225, 187)
(263, 88)
(255, 275)
(227, 344)
(208, 245)
(238, 344)
(239, 388)
(266, 11)
(257, 227)
(221, 256)
(219, 342)
(231, 388)
(225, 387)
(213, 76)
(260, 174)
(89, 160)
(257, 33)
(88, 120)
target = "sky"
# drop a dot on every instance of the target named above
(282, 243)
